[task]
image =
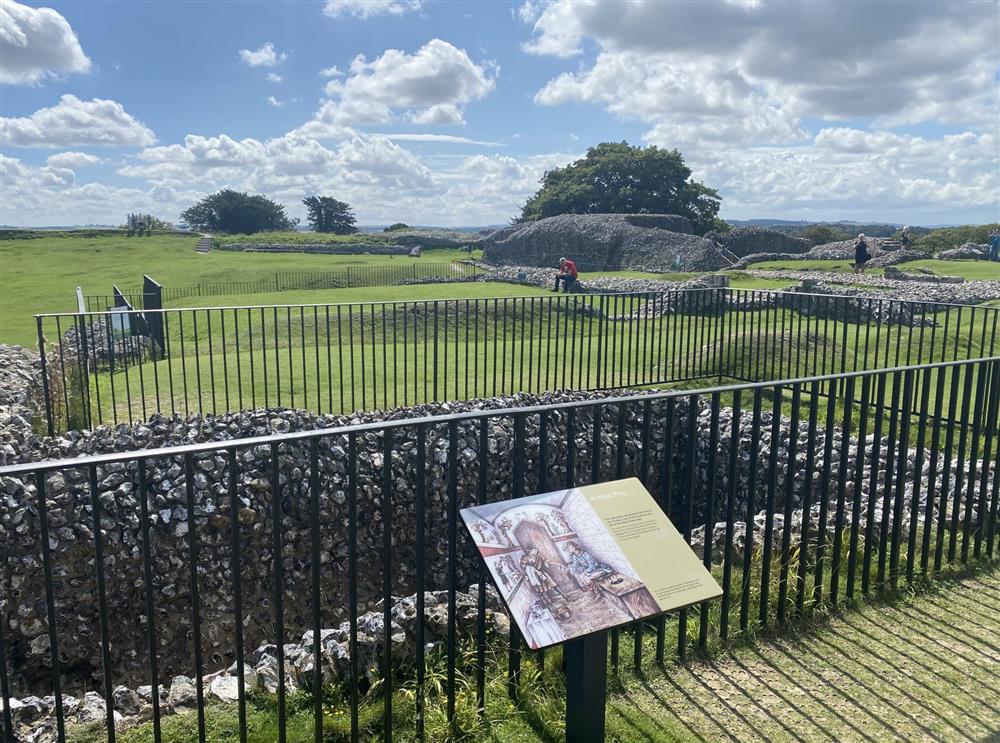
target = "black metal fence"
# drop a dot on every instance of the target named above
(362, 356)
(890, 492)
(350, 277)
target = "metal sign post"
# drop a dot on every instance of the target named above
(586, 687)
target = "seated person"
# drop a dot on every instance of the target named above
(590, 570)
(567, 274)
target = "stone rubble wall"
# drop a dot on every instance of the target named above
(967, 292)
(743, 241)
(965, 251)
(34, 715)
(604, 242)
(880, 247)
(71, 520)
(21, 402)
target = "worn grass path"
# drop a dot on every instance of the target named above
(924, 668)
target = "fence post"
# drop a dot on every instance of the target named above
(45, 378)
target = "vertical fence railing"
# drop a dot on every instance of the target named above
(374, 355)
(252, 504)
(351, 277)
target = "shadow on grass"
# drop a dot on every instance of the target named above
(918, 664)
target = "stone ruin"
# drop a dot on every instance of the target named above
(605, 242)
(741, 241)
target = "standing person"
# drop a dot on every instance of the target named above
(994, 254)
(861, 254)
(567, 274)
(904, 239)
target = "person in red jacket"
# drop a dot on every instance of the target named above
(567, 274)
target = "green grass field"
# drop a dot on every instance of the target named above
(911, 665)
(41, 275)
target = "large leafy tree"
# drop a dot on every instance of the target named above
(617, 178)
(235, 212)
(326, 214)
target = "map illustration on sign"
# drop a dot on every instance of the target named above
(577, 561)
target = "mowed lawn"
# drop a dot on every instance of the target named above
(41, 275)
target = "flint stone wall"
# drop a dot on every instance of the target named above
(71, 520)
(21, 400)
(604, 242)
(743, 241)
(965, 251)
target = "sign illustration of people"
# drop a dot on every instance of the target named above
(566, 564)
(542, 627)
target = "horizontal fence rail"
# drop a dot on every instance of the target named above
(107, 368)
(222, 554)
(351, 277)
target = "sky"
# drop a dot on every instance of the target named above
(448, 113)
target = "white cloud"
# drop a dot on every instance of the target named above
(272, 101)
(76, 123)
(444, 138)
(692, 101)
(35, 44)
(368, 8)
(442, 113)
(431, 85)
(266, 56)
(381, 179)
(332, 71)
(860, 174)
(823, 59)
(73, 160)
(274, 77)
(44, 196)
(740, 86)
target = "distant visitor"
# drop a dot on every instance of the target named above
(905, 241)
(861, 254)
(994, 254)
(567, 274)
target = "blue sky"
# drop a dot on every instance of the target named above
(448, 112)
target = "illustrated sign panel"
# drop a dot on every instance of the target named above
(577, 561)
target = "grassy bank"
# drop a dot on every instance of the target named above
(882, 666)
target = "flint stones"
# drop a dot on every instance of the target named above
(603, 242)
(182, 693)
(225, 688)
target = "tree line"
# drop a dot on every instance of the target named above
(236, 212)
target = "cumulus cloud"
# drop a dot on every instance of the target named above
(273, 77)
(332, 71)
(861, 173)
(744, 89)
(692, 101)
(266, 56)
(76, 123)
(272, 101)
(73, 160)
(823, 59)
(45, 195)
(368, 8)
(431, 85)
(35, 44)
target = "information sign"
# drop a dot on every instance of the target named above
(574, 562)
